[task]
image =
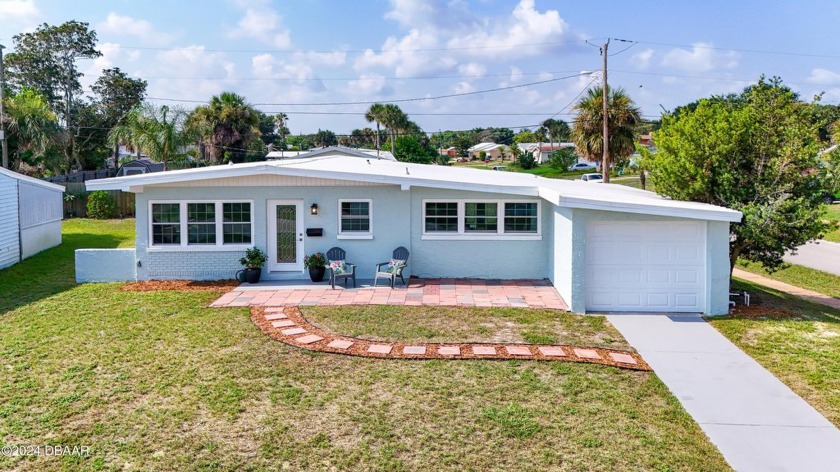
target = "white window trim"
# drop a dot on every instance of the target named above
(463, 235)
(183, 246)
(355, 234)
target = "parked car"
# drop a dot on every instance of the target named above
(502, 168)
(592, 178)
(582, 166)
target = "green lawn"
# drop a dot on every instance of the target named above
(796, 340)
(159, 381)
(800, 276)
(833, 215)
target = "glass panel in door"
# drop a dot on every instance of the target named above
(286, 234)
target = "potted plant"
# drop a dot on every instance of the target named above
(253, 261)
(317, 265)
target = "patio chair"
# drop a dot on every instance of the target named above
(393, 268)
(340, 270)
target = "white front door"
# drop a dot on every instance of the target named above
(285, 235)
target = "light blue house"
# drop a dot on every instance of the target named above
(604, 247)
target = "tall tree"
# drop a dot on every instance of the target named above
(324, 138)
(375, 114)
(557, 130)
(115, 95)
(46, 60)
(622, 118)
(753, 153)
(227, 125)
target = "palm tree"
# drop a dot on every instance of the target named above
(588, 131)
(31, 123)
(557, 130)
(228, 125)
(376, 113)
(156, 131)
(280, 122)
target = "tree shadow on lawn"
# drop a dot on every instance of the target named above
(772, 305)
(49, 272)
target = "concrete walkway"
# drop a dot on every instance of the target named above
(822, 255)
(809, 295)
(757, 422)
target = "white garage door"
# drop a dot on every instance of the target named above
(645, 266)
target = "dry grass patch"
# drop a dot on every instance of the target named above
(418, 324)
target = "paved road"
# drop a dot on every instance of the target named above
(824, 256)
(757, 422)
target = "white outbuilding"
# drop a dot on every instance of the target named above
(30, 216)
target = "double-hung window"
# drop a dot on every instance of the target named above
(201, 224)
(355, 219)
(481, 219)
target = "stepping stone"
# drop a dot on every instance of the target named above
(275, 309)
(587, 354)
(552, 351)
(283, 323)
(380, 349)
(276, 316)
(484, 350)
(309, 339)
(340, 344)
(414, 350)
(293, 331)
(623, 358)
(518, 350)
(449, 351)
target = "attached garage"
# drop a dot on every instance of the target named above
(651, 266)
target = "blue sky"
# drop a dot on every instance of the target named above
(315, 59)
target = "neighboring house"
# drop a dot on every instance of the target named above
(30, 216)
(143, 165)
(492, 151)
(450, 152)
(358, 152)
(604, 247)
(543, 151)
(646, 140)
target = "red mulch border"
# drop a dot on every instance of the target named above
(184, 285)
(360, 346)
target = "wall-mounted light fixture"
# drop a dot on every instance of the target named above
(314, 209)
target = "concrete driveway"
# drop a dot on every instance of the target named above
(757, 422)
(824, 256)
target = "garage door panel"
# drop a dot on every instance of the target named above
(645, 266)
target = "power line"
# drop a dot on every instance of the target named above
(402, 100)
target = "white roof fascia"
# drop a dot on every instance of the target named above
(31, 180)
(175, 176)
(713, 213)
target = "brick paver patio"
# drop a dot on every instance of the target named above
(429, 292)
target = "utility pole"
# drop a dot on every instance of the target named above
(2, 112)
(605, 159)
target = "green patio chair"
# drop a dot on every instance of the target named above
(394, 268)
(339, 268)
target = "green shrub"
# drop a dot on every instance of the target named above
(527, 161)
(101, 205)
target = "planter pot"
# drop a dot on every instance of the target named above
(317, 274)
(249, 275)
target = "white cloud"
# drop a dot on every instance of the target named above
(824, 77)
(472, 70)
(642, 59)
(702, 57)
(369, 85)
(263, 23)
(525, 25)
(112, 53)
(299, 74)
(122, 25)
(18, 9)
(408, 57)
